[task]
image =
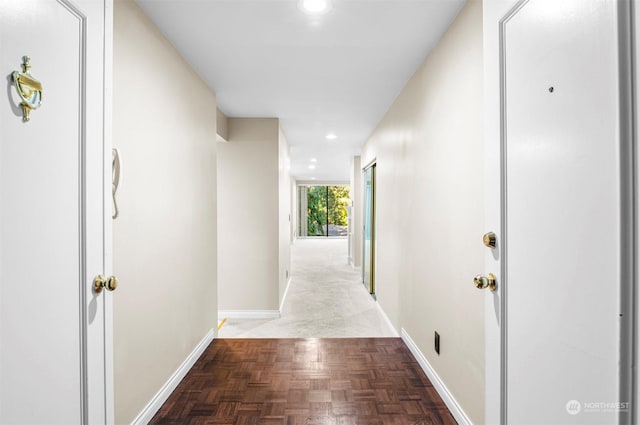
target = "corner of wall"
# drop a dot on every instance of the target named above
(249, 180)
(284, 215)
(356, 212)
(222, 126)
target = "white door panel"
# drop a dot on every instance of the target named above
(562, 211)
(52, 361)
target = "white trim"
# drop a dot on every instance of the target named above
(163, 394)
(248, 314)
(107, 145)
(370, 164)
(387, 321)
(494, 13)
(438, 384)
(284, 296)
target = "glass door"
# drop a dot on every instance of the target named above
(323, 211)
(369, 237)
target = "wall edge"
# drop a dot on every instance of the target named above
(453, 405)
(165, 391)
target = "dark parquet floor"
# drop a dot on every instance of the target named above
(363, 381)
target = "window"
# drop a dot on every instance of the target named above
(323, 211)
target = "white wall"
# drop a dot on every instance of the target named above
(253, 215)
(284, 213)
(164, 241)
(430, 214)
(356, 212)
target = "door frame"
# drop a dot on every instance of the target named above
(496, 14)
(107, 173)
(99, 389)
(372, 267)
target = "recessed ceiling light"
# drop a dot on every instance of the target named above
(314, 7)
(314, 160)
(312, 167)
(313, 178)
(332, 136)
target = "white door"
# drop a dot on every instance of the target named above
(563, 221)
(54, 339)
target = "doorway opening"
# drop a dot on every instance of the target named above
(369, 234)
(323, 211)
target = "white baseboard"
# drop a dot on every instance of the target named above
(163, 394)
(393, 330)
(249, 314)
(442, 389)
(284, 296)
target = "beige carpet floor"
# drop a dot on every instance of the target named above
(326, 299)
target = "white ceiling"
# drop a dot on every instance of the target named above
(338, 72)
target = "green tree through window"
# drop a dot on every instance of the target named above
(316, 211)
(326, 210)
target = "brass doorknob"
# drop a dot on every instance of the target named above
(112, 283)
(482, 282)
(109, 283)
(489, 240)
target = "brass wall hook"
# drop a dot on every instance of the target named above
(29, 89)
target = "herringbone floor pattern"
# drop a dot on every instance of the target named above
(363, 381)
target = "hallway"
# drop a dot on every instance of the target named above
(325, 299)
(481, 156)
